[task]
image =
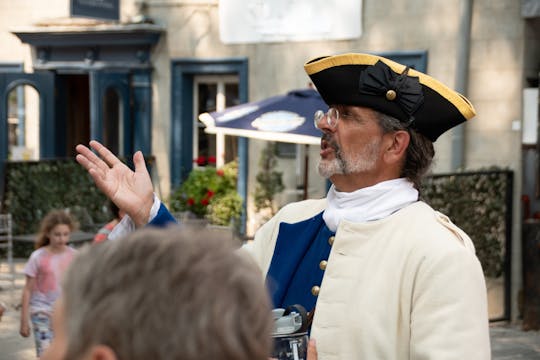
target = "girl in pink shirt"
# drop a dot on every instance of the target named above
(44, 271)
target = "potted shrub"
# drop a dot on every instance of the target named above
(209, 193)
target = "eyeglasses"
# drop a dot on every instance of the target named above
(332, 118)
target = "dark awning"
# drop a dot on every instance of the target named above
(89, 43)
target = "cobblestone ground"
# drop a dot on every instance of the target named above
(508, 342)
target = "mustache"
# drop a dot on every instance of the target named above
(330, 141)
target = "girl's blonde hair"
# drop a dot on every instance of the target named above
(53, 218)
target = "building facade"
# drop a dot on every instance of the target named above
(139, 82)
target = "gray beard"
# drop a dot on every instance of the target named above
(344, 165)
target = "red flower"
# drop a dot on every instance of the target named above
(209, 194)
(201, 161)
(220, 172)
(204, 201)
(211, 159)
(190, 202)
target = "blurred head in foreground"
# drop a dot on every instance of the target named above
(162, 294)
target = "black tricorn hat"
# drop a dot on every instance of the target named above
(414, 98)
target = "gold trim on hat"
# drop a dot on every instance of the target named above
(463, 105)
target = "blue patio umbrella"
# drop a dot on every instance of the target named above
(285, 118)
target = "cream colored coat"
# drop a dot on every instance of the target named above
(405, 287)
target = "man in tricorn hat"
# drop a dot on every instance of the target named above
(383, 275)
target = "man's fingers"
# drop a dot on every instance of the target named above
(138, 161)
(105, 154)
(83, 160)
(96, 174)
(90, 160)
(85, 152)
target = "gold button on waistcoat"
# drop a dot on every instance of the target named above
(315, 290)
(322, 264)
(331, 240)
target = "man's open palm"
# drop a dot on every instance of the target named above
(131, 191)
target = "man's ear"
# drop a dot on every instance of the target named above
(397, 146)
(101, 352)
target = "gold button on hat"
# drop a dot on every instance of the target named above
(322, 264)
(331, 240)
(315, 290)
(391, 95)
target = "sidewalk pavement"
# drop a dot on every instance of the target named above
(12, 345)
(508, 341)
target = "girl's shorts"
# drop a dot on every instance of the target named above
(43, 334)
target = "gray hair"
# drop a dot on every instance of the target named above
(420, 151)
(174, 293)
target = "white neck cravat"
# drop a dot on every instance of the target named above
(367, 204)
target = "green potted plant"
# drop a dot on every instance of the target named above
(210, 193)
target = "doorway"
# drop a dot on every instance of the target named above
(73, 111)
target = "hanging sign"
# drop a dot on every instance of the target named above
(98, 9)
(256, 21)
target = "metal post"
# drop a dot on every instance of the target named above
(462, 77)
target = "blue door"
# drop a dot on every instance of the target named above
(111, 119)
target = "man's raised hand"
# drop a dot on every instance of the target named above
(131, 191)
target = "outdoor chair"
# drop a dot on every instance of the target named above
(7, 267)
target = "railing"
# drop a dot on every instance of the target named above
(6, 248)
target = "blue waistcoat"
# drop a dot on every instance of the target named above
(294, 268)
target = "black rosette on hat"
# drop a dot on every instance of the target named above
(416, 99)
